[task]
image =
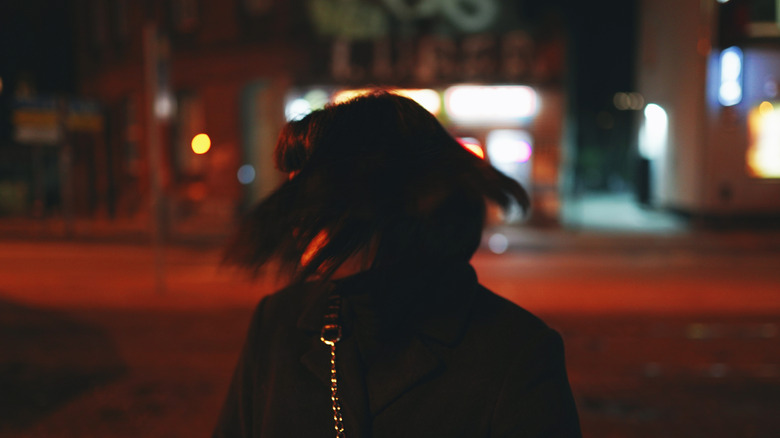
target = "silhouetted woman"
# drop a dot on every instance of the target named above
(384, 330)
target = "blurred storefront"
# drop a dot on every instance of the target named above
(192, 93)
(517, 128)
(491, 71)
(178, 104)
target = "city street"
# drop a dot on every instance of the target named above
(665, 337)
(634, 145)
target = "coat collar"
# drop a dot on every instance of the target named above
(433, 304)
(442, 296)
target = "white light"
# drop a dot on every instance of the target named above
(164, 106)
(297, 109)
(723, 1)
(653, 135)
(490, 104)
(246, 174)
(505, 146)
(730, 93)
(730, 90)
(655, 114)
(498, 243)
(317, 98)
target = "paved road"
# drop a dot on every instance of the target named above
(606, 275)
(673, 340)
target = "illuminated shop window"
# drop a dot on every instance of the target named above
(763, 153)
(482, 104)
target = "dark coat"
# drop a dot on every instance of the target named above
(425, 354)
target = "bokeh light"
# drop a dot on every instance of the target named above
(730, 91)
(763, 154)
(297, 109)
(509, 146)
(765, 108)
(246, 174)
(654, 132)
(479, 104)
(498, 243)
(201, 144)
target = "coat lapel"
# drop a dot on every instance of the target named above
(440, 319)
(398, 370)
(316, 359)
(403, 363)
(310, 321)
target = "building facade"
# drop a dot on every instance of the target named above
(710, 130)
(167, 71)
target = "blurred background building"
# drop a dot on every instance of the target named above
(129, 116)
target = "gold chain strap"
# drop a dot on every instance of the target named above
(330, 335)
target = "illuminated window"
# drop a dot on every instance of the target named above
(508, 146)
(511, 152)
(478, 104)
(763, 154)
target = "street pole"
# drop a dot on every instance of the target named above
(151, 79)
(66, 169)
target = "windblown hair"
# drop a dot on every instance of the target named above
(378, 174)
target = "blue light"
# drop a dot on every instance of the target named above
(246, 174)
(730, 90)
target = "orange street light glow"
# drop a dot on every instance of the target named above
(472, 146)
(201, 144)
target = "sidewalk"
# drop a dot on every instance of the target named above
(95, 351)
(136, 231)
(673, 336)
(518, 237)
(521, 238)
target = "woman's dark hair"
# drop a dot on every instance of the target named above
(378, 174)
